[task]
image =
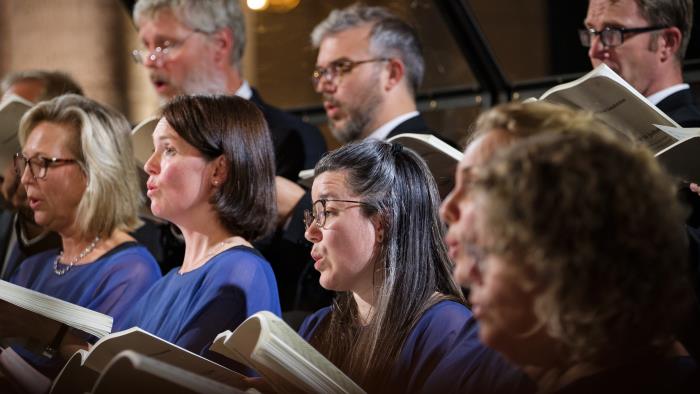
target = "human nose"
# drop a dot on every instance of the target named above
(313, 233)
(25, 173)
(449, 211)
(152, 165)
(597, 50)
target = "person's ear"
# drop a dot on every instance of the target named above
(220, 171)
(224, 44)
(669, 42)
(397, 72)
(378, 229)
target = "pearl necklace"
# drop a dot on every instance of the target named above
(216, 249)
(77, 258)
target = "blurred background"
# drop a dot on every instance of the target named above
(478, 52)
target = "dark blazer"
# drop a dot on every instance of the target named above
(415, 125)
(17, 250)
(298, 145)
(681, 107)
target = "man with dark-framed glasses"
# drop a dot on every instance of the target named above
(368, 69)
(645, 42)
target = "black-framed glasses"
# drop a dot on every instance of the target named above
(339, 68)
(38, 165)
(612, 36)
(319, 212)
(160, 54)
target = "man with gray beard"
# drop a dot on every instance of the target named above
(195, 47)
(368, 69)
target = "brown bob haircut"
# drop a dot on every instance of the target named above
(234, 128)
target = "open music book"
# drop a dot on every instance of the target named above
(12, 107)
(441, 158)
(130, 370)
(76, 316)
(85, 367)
(142, 139)
(624, 110)
(288, 363)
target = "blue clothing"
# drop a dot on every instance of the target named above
(443, 354)
(109, 285)
(189, 310)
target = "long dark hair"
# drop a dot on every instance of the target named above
(412, 259)
(235, 128)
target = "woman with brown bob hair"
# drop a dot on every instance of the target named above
(212, 175)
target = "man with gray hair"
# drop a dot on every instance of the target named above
(645, 42)
(195, 47)
(369, 67)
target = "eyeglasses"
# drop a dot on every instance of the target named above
(612, 36)
(160, 54)
(38, 165)
(338, 68)
(319, 212)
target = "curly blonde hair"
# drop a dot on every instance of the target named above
(593, 223)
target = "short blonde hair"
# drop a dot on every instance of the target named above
(594, 224)
(103, 149)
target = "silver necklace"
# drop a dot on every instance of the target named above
(216, 249)
(77, 258)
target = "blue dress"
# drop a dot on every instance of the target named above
(443, 354)
(109, 285)
(189, 310)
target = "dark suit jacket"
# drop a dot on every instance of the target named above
(298, 145)
(681, 107)
(18, 250)
(415, 125)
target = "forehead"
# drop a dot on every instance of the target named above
(49, 138)
(484, 147)
(352, 44)
(164, 130)
(609, 12)
(163, 24)
(331, 184)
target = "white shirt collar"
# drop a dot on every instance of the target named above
(244, 91)
(386, 128)
(657, 97)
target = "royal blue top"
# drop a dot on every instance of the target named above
(190, 309)
(443, 354)
(109, 285)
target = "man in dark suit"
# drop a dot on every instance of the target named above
(645, 42)
(369, 67)
(196, 48)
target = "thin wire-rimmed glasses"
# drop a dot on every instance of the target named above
(338, 68)
(318, 211)
(160, 54)
(612, 36)
(38, 165)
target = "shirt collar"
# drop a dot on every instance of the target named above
(657, 97)
(244, 91)
(383, 131)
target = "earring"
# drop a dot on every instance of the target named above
(216, 183)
